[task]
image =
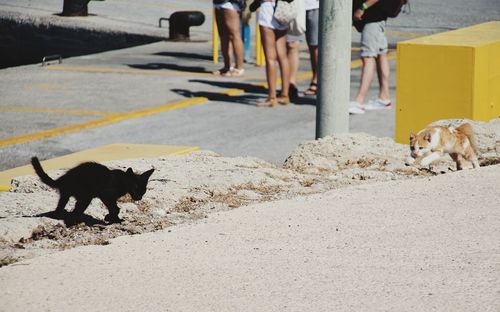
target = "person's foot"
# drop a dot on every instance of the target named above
(223, 71)
(312, 90)
(269, 102)
(234, 72)
(355, 108)
(284, 100)
(378, 104)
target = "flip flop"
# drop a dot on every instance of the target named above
(313, 88)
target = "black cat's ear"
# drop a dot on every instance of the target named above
(130, 171)
(147, 174)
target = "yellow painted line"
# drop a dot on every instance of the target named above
(53, 110)
(233, 92)
(133, 71)
(46, 86)
(358, 63)
(99, 154)
(150, 111)
(404, 34)
(103, 121)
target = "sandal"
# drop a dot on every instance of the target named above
(223, 71)
(269, 102)
(313, 88)
(284, 100)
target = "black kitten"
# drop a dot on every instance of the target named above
(90, 180)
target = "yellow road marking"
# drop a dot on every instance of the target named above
(403, 34)
(46, 86)
(103, 121)
(112, 118)
(107, 70)
(54, 110)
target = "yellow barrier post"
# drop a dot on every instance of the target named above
(215, 39)
(450, 75)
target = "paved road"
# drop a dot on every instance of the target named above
(39, 101)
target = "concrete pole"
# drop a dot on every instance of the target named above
(332, 115)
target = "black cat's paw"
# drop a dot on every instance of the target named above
(112, 219)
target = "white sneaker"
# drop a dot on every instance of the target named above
(355, 108)
(378, 104)
(235, 72)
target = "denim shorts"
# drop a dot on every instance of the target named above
(312, 27)
(373, 40)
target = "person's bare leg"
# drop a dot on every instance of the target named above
(367, 73)
(224, 41)
(313, 57)
(383, 71)
(269, 44)
(284, 65)
(232, 24)
(292, 49)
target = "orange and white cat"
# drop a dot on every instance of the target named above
(433, 142)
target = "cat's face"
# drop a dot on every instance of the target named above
(138, 183)
(420, 144)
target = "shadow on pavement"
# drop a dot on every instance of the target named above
(252, 88)
(159, 66)
(214, 96)
(247, 87)
(185, 55)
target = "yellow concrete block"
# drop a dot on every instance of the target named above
(454, 74)
(100, 154)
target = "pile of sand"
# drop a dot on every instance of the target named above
(189, 187)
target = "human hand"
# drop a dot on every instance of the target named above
(254, 6)
(358, 15)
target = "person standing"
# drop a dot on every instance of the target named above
(369, 18)
(273, 37)
(312, 31)
(227, 16)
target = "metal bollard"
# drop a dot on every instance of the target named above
(179, 23)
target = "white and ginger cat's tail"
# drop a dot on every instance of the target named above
(41, 173)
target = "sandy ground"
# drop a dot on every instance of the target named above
(426, 244)
(360, 231)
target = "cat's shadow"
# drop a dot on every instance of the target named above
(71, 219)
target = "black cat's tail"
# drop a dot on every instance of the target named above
(41, 173)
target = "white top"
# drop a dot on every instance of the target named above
(311, 4)
(266, 16)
